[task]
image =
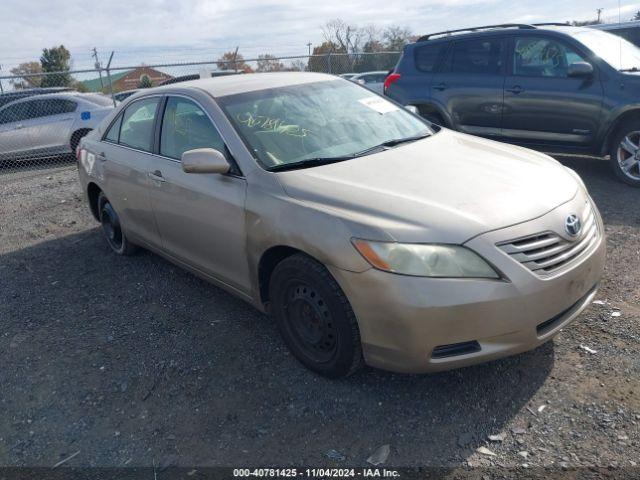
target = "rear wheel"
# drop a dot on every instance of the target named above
(625, 153)
(314, 317)
(112, 228)
(76, 137)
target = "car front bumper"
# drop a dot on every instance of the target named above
(417, 324)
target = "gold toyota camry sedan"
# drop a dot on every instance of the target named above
(366, 234)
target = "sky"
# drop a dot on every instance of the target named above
(166, 31)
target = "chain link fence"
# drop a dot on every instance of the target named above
(43, 116)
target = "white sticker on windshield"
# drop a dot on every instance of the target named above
(378, 104)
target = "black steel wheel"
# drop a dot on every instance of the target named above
(112, 228)
(314, 317)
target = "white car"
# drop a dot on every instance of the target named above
(374, 81)
(49, 125)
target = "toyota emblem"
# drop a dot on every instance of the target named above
(573, 225)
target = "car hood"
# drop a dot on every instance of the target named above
(446, 188)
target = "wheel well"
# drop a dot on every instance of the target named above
(76, 136)
(267, 264)
(430, 110)
(613, 130)
(93, 192)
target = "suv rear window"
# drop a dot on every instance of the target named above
(427, 56)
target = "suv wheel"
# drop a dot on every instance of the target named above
(625, 154)
(112, 229)
(314, 317)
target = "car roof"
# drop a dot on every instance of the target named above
(63, 95)
(373, 72)
(234, 84)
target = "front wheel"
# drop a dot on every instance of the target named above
(314, 317)
(625, 154)
(112, 228)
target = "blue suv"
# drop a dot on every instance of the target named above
(551, 87)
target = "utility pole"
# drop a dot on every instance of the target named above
(599, 10)
(98, 66)
(309, 46)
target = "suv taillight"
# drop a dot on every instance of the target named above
(391, 78)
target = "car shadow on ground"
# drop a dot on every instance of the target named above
(134, 361)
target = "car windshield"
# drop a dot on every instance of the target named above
(321, 121)
(616, 51)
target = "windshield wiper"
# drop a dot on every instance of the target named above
(390, 143)
(308, 162)
(314, 162)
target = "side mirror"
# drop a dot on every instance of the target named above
(412, 109)
(580, 69)
(204, 160)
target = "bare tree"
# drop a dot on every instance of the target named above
(27, 68)
(395, 38)
(346, 37)
(269, 63)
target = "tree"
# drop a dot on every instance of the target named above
(27, 68)
(636, 17)
(298, 66)
(233, 61)
(145, 82)
(269, 63)
(395, 38)
(56, 59)
(583, 23)
(319, 62)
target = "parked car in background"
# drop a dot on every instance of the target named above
(554, 88)
(49, 125)
(365, 234)
(372, 80)
(29, 92)
(627, 30)
(120, 96)
(347, 76)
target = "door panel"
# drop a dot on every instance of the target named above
(201, 220)
(127, 169)
(200, 216)
(14, 137)
(475, 106)
(541, 103)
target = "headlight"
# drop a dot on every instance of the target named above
(425, 260)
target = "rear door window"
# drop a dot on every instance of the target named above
(113, 135)
(137, 124)
(427, 56)
(481, 56)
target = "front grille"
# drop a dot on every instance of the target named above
(546, 252)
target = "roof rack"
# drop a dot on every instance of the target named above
(523, 26)
(552, 24)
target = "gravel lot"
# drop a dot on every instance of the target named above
(132, 361)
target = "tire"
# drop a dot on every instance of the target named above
(629, 155)
(76, 137)
(314, 317)
(112, 229)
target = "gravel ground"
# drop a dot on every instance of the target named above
(132, 361)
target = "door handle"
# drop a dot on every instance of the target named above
(156, 176)
(101, 156)
(515, 89)
(440, 87)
